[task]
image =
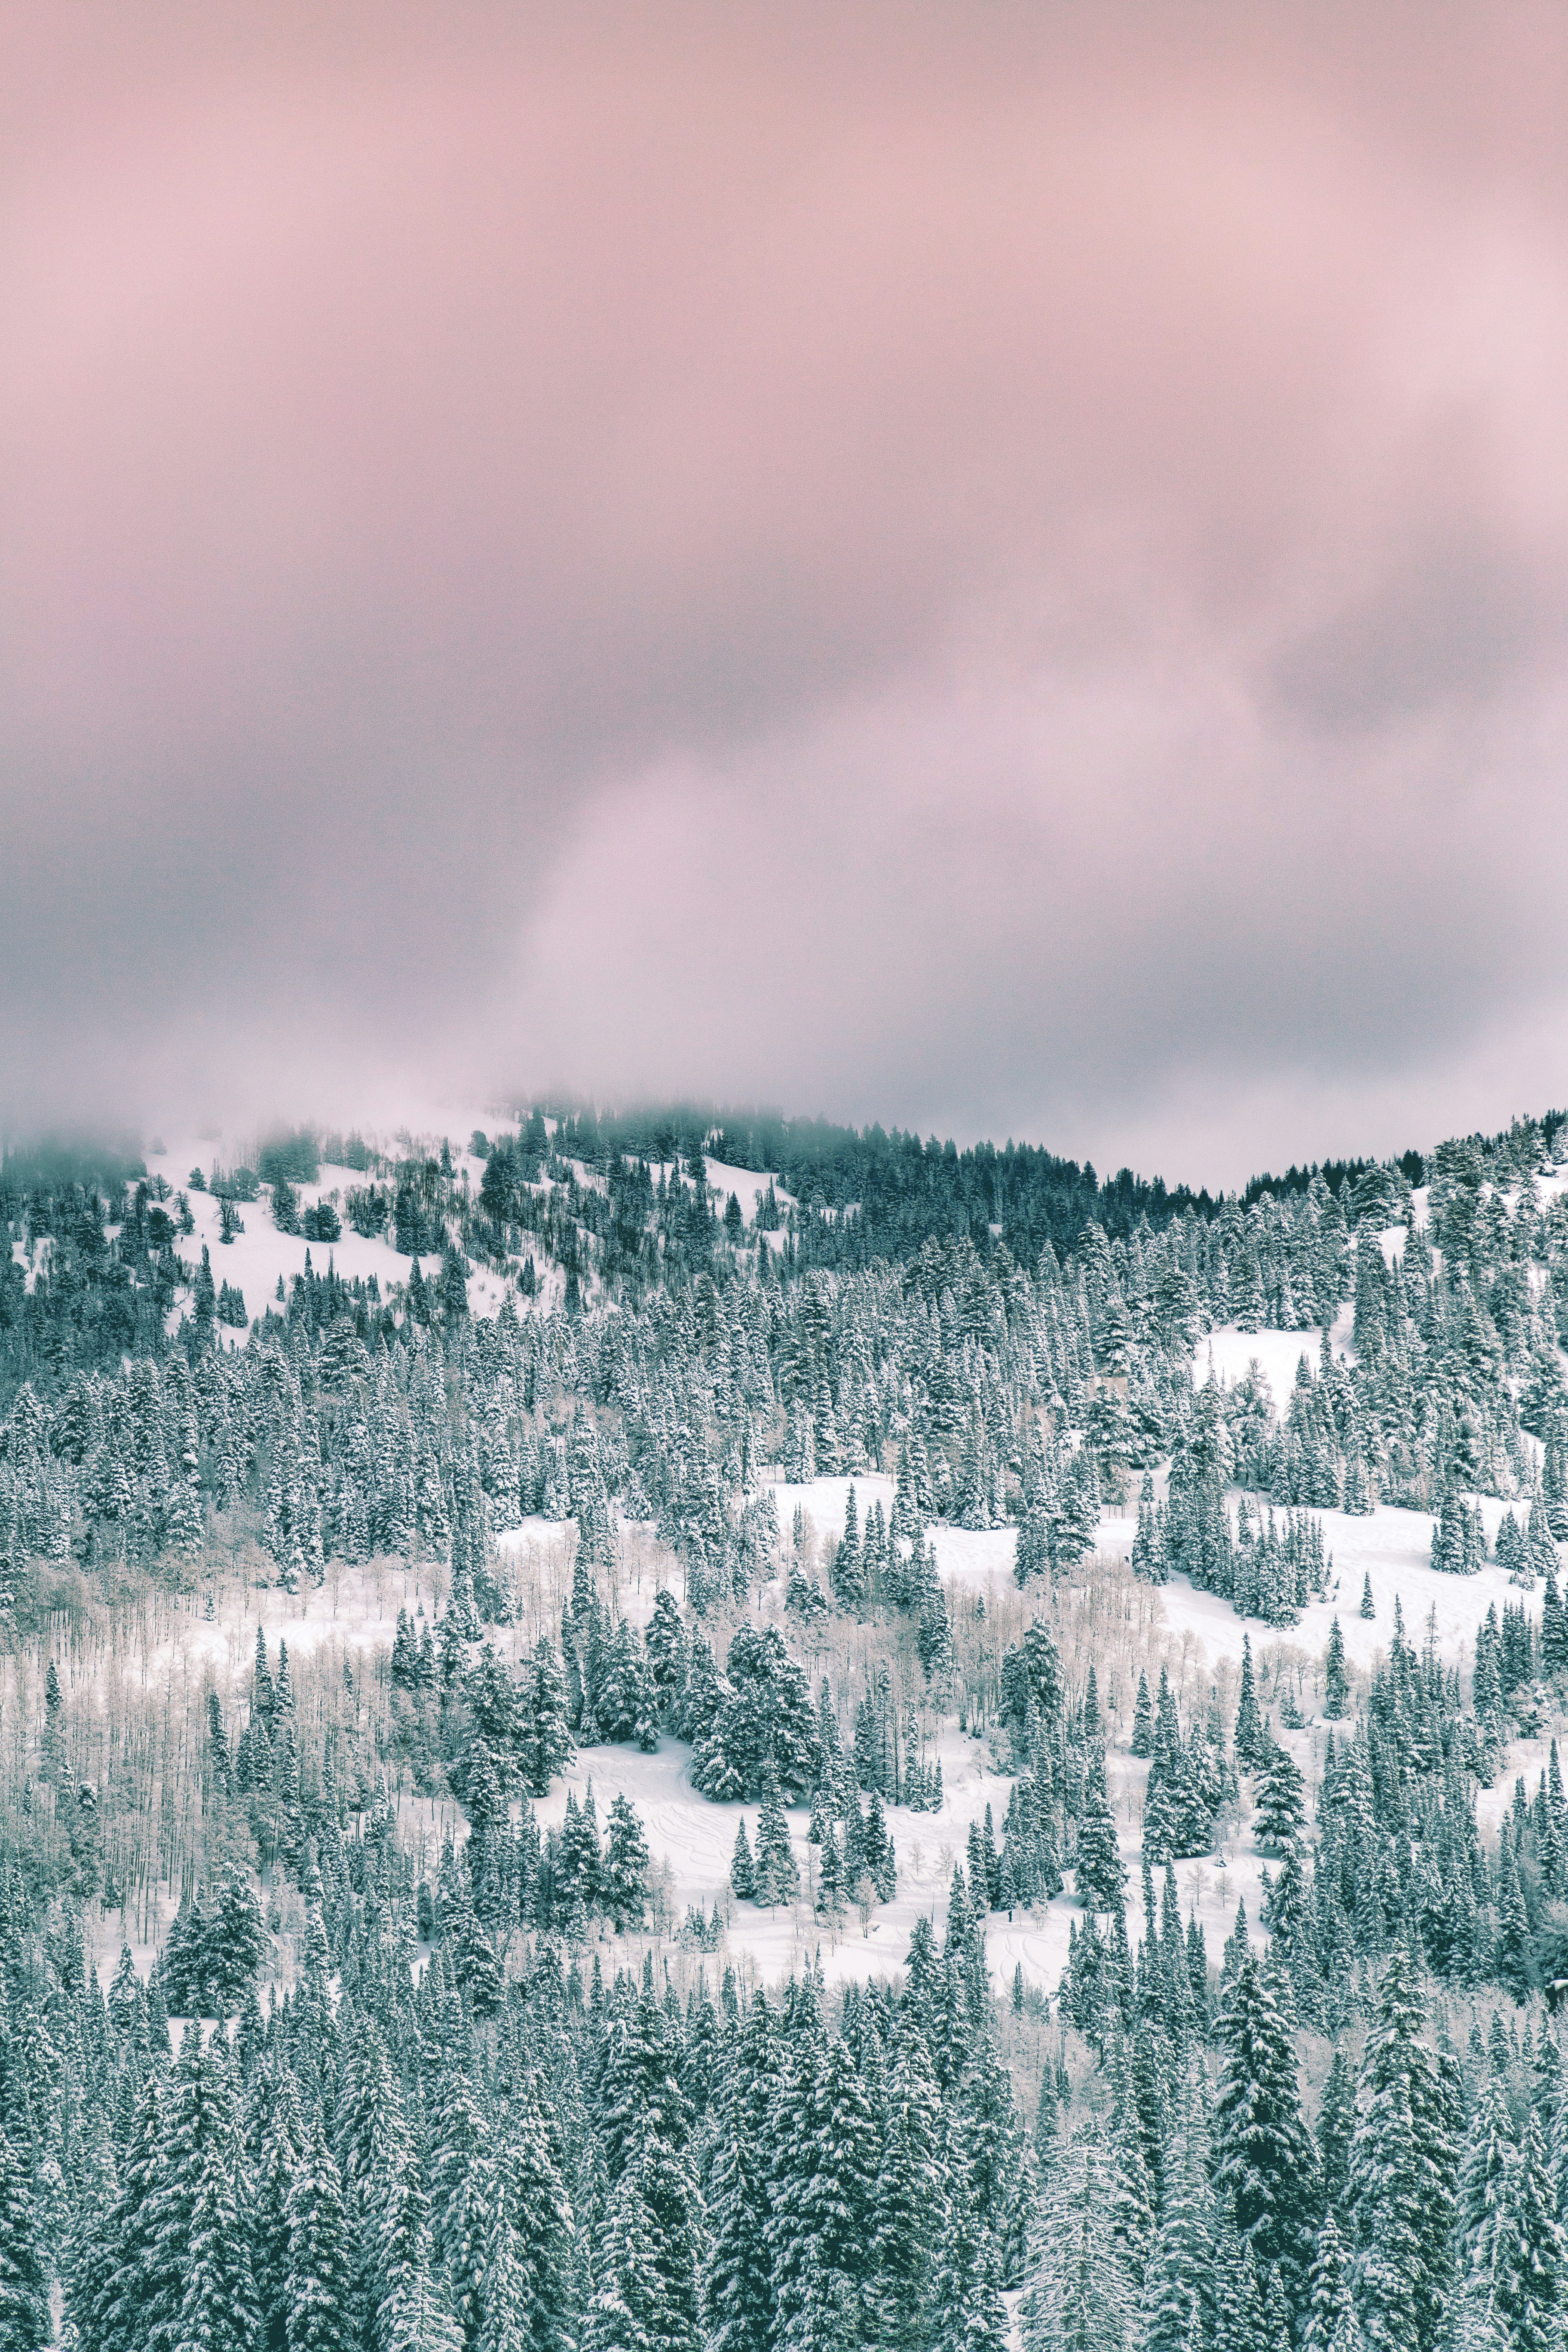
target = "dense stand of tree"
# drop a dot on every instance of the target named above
(459, 2127)
(453, 2123)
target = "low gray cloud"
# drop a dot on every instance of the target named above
(1454, 625)
(1005, 581)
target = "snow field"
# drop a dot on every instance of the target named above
(1227, 1352)
(748, 1185)
(696, 1837)
(255, 1259)
(1393, 1547)
(355, 1610)
(1202, 1632)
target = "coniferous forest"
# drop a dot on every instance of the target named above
(1140, 1910)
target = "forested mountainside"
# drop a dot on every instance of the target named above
(1143, 1892)
(855, 1199)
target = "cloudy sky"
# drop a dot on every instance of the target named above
(1001, 569)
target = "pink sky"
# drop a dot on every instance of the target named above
(999, 570)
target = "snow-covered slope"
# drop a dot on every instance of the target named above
(691, 1837)
(256, 1260)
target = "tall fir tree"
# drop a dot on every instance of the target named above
(221, 2311)
(1330, 2315)
(1336, 1682)
(25, 2322)
(320, 2276)
(1266, 2168)
(1527, 2268)
(1101, 1874)
(1403, 2174)
(1076, 2297)
(1178, 2284)
(738, 2296)
(912, 2194)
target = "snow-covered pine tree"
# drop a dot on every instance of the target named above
(911, 2197)
(1336, 1686)
(1248, 1720)
(1529, 2289)
(1178, 2284)
(1076, 2295)
(1280, 1800)
(777, 1872)
(320, 2278)
(1266, 2168)
(1404, 2173)
(1101, 1874)
(221, 2310)
(1330, 2316)
(738, 2295)
(25, 2323)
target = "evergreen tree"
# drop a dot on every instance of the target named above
(625, 1866)
(1076, 2299)
(1330, 2316)
(1483, 2182)
(823, 2192)
(1281, 1800)
(1142, 1741)
(910, 2201)
(462, 2166)
(1528, 2255)
(646, 2129)
(1240, 2318)
(221, 2311)
(777, 1874)
(89, 2258)
(544, 2223)
(1403, 2175)
(627, 2313)
(1101, 1874)
(968, 2312)
(505, 2307)
(140, 2278)
(1178, 2282)
(1336, 1686)
(409, 2309)
(1266, 2168)
(1336, 2129)
(546, 1748)
(832, 1877)
(1249, 1721)
(737, 2298)
(1133, 2195)
(197, 2111)
(319, 2273)
(742, 1871)
(24, 2287)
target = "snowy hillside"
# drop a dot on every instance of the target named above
(542, 1591)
